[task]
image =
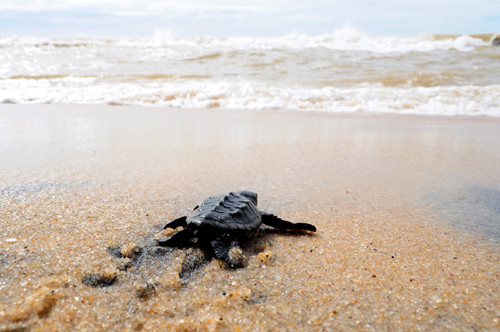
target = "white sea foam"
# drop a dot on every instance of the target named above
(364, 98)
(344, 71)
(346, 39)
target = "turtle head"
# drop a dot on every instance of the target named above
(248, 194)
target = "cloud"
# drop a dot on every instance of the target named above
(269, 17)
(117, 7)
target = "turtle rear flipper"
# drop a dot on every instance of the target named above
(176, 223)
(226, 248)
(271, 220)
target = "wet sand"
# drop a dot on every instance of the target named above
(406, 209)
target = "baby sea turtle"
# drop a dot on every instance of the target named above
(220, 223)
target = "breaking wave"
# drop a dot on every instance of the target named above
(345, 39)
(343, 71)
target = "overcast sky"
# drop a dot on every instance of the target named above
(112, 18)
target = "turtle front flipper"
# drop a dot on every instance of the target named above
(176, 223)
(226, 248)
(180, 239)
(271, 220)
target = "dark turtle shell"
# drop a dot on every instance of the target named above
(233, 212)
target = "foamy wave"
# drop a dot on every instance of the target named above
(345, 71)
(351, 39)
(343, 39)
(365, 98)
(19, 41)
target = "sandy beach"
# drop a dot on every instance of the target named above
(407, 211)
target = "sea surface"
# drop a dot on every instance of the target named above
(344, 71)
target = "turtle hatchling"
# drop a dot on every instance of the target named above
(220, 223)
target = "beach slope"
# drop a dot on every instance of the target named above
(406, 209)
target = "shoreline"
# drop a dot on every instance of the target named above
(390, 195)
(285, 112)
(265, 110)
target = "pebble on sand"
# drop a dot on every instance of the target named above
(265, 257)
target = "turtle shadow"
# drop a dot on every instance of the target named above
(149, 258)
(265, 237)
(145, 261)
(288, 232)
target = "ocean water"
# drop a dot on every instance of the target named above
(345, 71)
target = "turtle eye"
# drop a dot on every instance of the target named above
(197, 206)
